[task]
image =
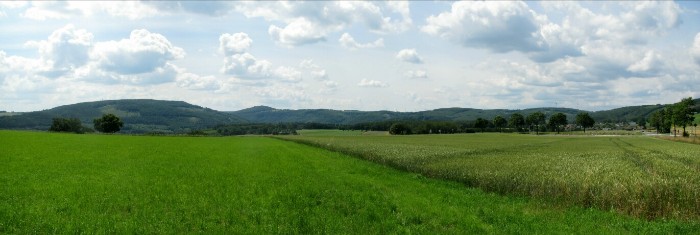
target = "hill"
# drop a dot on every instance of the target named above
(139, 116)
(271, 115)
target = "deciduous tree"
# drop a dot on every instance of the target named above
(108, 123)
(499, 122)
(584, 120)
(536, 119)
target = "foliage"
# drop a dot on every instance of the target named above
(535, 120)
(557, 121)
(399, 129)
(481, 124)
(584, 120)
(516, 121)
(139, 116)
(67, 125)
(108, 123)
(499, 122)
(683, 113)
(639, 176)
(119, 184)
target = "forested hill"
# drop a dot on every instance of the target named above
(264, 114)
(142, 115)
(270, 115)
(139, 116)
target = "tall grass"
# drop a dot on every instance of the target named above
(640, 176)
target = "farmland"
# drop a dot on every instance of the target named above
(635, 175)
(65, 183)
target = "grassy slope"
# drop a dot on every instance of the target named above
(62, 183)
(640, 176)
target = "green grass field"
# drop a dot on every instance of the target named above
(315, 132)
(640, 176)
(66, 183)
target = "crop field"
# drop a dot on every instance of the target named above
(67, 183)
(635, 175)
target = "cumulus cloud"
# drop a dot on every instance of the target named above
(66, 49)
(416, 74)
(649, 64)
(371, 83)
(497, 26)
(288, 74)
(236, 43)
(314, 71)
(312, 22)
(695, 49)
(142, 52)
(347, 41)
(196, 82)
(246, 66)
(410, 56)
(299, 32)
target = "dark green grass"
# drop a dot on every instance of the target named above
(64, 183)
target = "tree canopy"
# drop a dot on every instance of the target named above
(584, 120)
(67, 125)
(557, 120)
(534, 120)
(108, 123)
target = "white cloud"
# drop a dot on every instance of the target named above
(142, 52)
(41, 10)
(299, 32)
(196, 82)
(246, 66)
(314, 71)
(236, 43)
(416, 74)
(311, 22)
(66, 49)
(288, 74)
(497, 26)
(649, 64)
(347, 41)
(211, 8)
(695, 49)
(371, 83)
(409, 55)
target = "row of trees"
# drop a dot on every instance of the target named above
(680, 114)
(108, 123)
(534, 122)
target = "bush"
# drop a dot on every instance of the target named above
(399, 129)
(67, 125)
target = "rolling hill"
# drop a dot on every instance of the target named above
(139, 116)
(143, 115)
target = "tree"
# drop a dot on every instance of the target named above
(108, 123)
(656, 120)
(67, 125)
(557, 120)
(499, 122)
(399, 129)
(584, 120)
(535, 119)
(516, 121)
(481, 123)
(683, 114)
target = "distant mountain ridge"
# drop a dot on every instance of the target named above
(145, 115)
(139, 116)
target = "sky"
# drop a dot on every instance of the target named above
(397, 56)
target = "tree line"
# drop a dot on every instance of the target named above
(535, 122)
(108, 123)
(681, 114)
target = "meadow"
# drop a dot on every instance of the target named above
(67, 183)
(639, 176)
